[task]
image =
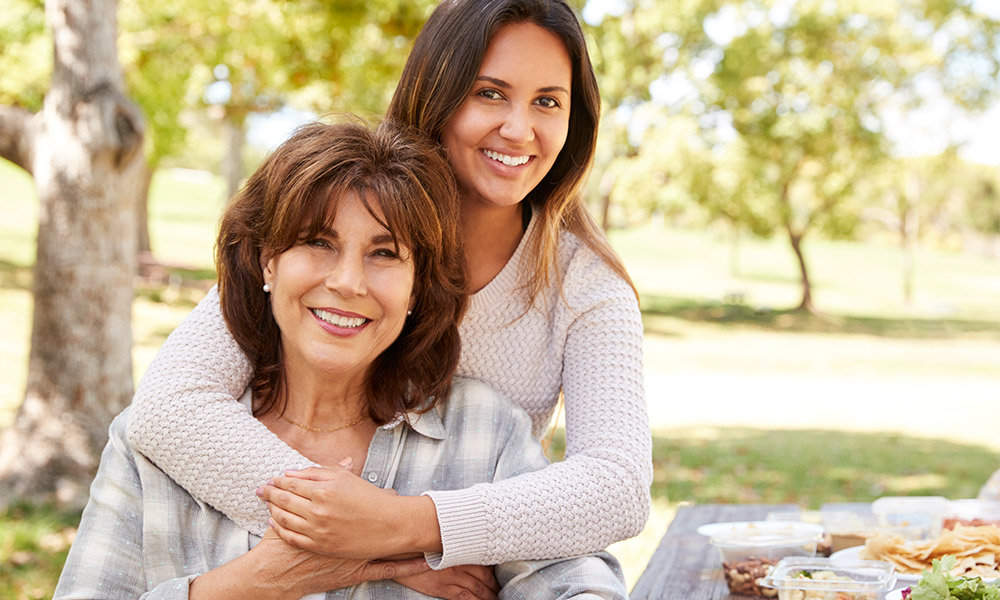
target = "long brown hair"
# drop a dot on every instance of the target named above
(441, 71)
(296, 188)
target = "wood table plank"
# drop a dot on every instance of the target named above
(685, 566)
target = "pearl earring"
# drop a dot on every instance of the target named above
(267, 288)
(409, 312)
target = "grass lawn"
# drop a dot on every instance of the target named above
(749, 402)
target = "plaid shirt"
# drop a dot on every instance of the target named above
(143, 536)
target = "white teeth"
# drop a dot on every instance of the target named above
(510, 161)
(338, 320)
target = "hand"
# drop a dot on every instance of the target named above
(464, 582)
(330, 510)
(278, 570)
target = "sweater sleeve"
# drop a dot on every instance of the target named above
(185, 418)
(597, 577)
(600, 493)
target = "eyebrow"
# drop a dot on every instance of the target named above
(382, 238)
(503, 84)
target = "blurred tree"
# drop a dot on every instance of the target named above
(910, 196)
(84, 150)
(805, 87)
(232, 58)
(157, 56)
(255, 57)
(983, 201)
(628, 46)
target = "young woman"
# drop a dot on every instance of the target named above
(507, 87)
(343, 282)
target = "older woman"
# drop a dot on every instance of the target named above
(341, 277)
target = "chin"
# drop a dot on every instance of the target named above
(504, 201)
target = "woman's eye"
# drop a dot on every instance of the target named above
(548, 102)
(317, 243)
(386, 253)
(490, 94)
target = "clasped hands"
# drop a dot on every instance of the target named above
(332, 511)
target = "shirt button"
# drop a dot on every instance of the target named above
(372, 477)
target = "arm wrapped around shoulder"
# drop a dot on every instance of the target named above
(186, 419)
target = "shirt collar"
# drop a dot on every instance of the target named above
(427, 424)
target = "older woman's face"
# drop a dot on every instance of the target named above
(340, 298)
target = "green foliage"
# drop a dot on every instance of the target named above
(34, 541)
(156, 56)
(25, 54)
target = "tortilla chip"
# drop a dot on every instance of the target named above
(976, 549)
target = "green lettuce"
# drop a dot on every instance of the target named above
(938, 584)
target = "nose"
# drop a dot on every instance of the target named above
(347, 276)
(518, 126)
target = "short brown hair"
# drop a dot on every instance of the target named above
(297, 188)
(442, 69)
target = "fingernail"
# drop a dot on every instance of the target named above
(260, 492)
(271, 523)
(347, 463)
(270, 482)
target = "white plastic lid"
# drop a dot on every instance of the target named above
(761, 533)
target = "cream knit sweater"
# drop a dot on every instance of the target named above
(587, 342)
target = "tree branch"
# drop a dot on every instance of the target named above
(17, 136)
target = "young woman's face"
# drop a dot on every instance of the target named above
(340, 299)
(509, 130)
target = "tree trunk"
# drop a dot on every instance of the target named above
(795, 236)
(908, 232)
(142, 213)
(86, 158)
(734, 248)
(909, 227)
(605, 188)
(234, 128)
(796, 240)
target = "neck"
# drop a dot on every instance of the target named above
(492, 234)
(317, 400)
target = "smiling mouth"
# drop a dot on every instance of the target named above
(339, 320)
(510, 161)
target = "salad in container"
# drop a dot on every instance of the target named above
(830, 579)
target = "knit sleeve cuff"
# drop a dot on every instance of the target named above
(462, 518)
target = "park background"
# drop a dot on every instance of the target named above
(744, 144)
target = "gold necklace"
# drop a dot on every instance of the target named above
(318, 429)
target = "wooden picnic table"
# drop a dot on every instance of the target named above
(686, 567)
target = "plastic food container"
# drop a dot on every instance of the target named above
(925, 512)
(836, 524)
(749, 549)
(971, 512)
(830, 579)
